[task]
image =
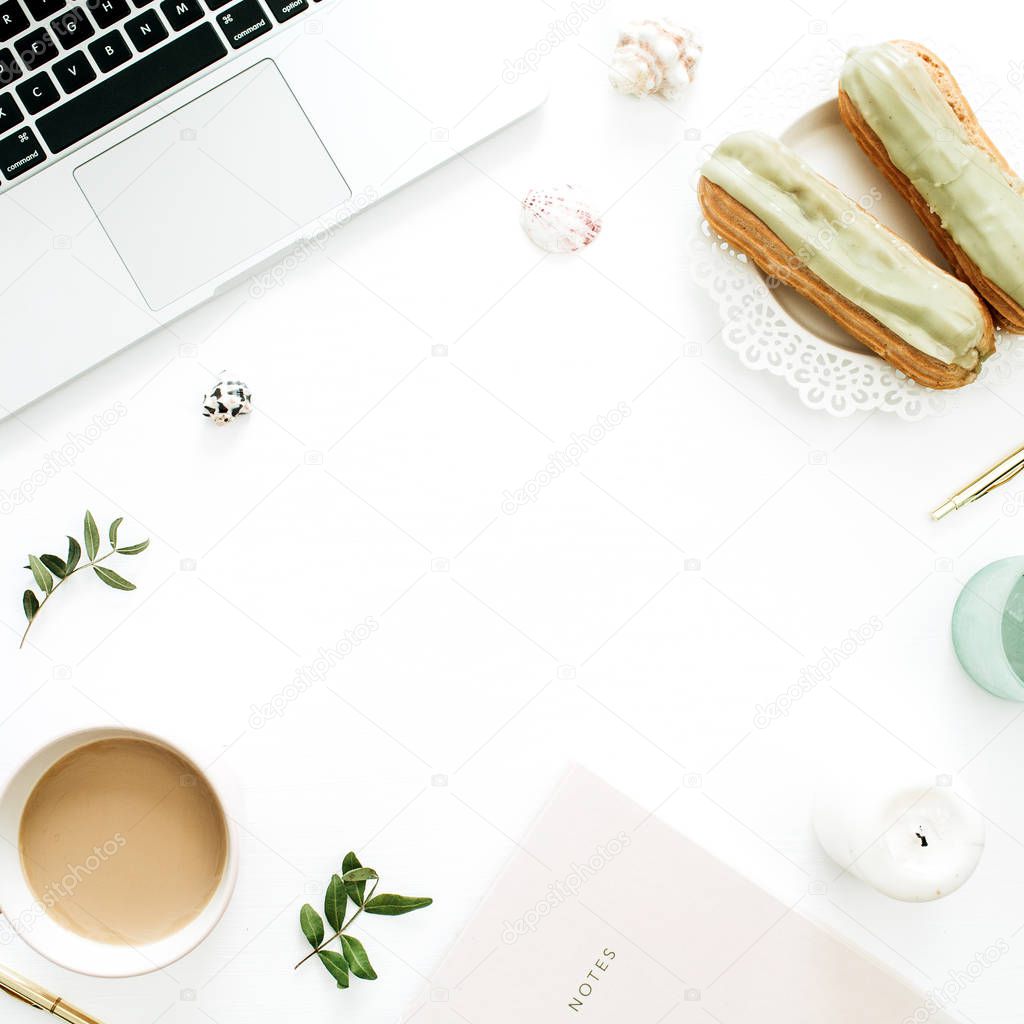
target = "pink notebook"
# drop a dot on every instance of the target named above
(606, 915)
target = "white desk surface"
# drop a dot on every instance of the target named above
(369, 483)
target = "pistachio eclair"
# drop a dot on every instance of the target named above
(764, 199)
(908, 114)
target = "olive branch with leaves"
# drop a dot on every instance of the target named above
(45, 567)
(350, 887)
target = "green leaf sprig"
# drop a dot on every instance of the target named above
(51, 572)
(350, 888)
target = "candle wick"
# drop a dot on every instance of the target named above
(921, 836)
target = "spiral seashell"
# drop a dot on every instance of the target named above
(654, 57)
(559, 219)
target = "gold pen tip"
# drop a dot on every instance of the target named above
(944, 509)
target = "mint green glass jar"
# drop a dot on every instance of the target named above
(988, 628)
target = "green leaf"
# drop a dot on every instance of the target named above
(74, 553)
(112, 533)
(134, 549)
(334, 903)
(359, 875)
(30, 603)
(336, 966)
(112, 579)
(56, 565)
(389, 905)
(312, 925)
(357, 959)
(42, 575)
(92, 536)
(356, 890)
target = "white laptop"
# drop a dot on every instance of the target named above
(155, 152)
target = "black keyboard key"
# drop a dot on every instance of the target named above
(36, 49)
(181, 13)
(38, 92)
(139, 83)
(216, 5)
(12, 20)
(244, 23)
(10, 69)
(72, 28)
(285, 9)
(19, 153)
(110, 51)
(108, 12)
(42, 9)
(74, 72)
(142, 3)
(146, 31)
(10, 114)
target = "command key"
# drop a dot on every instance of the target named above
(243, 23)
(19, 152)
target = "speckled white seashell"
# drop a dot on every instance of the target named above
(654, 57)
(227, 400)
(559, 219)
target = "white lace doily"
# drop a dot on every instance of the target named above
(766, 337)
(756, 326)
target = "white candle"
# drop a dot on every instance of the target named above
(913, 839)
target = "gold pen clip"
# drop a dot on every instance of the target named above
(21, 988)
(19, 997)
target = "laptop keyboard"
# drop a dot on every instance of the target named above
(69, 70)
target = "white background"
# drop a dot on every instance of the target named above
(695, 563)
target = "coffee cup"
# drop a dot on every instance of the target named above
(40, 915)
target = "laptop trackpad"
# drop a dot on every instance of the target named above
(213, 184)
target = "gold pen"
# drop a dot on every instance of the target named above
(988, 481)
(23, 989)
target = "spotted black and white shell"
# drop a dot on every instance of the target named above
(559, 219)
(654, 57)
(227, 400)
